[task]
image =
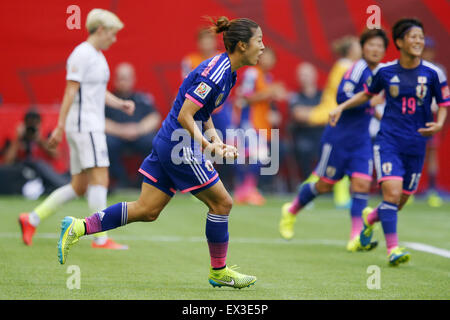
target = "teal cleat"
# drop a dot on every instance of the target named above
(398, 256)
(366, 234)
(355, 245)
(71, 230)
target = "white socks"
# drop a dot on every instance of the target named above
(96, 196)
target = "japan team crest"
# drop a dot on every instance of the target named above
(387, 168)
(421, 91)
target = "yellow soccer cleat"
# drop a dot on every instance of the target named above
(71, 230)
(355, 245)
(228, 277)
(287, 222)
(398, 256)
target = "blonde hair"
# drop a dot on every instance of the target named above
(104, 18)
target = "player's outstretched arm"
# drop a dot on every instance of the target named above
(357, 100)
(126, 106)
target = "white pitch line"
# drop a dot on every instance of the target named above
(413, 245)
(427, 248)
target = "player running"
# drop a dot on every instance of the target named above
(410, 84)
(346, 148)
(177, 162)
(82, 117)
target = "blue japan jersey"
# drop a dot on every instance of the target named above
(353, 125)
(208, 86)
(409, 94)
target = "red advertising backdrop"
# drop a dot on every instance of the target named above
(35, 43)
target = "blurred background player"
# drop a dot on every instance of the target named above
(305, 137)
(206, 48)
(349, 50)
(410, 84)
(82, 117)
(432, 160)
(165, 171)
(346, 149)
(129, 134)
(256, 109)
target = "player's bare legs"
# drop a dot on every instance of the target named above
(403, 200)
(217, 199)
(149, 205)
(80, 183)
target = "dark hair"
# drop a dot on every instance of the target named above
(236, 30)
(402, 26)
(32, 115)
(373, 33)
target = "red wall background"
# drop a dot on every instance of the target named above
(35, 44)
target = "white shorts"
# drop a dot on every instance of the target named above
(87, 150)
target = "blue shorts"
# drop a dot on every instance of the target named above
(393, 165)
(336, 161)
(172, 166)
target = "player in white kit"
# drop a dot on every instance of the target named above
(82, 117)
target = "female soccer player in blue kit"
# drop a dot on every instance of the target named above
(410, 84)
(338, 156)
(175, 164)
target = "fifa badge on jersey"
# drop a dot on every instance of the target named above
(219, 99)
(394, 90)
(369, 81)
(421, 91)
(202, 90)
(387, 168)
(331, 171)
(348, 88)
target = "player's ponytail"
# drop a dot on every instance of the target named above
(221, 25)
(235, 30)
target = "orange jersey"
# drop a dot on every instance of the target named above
(255, 81)
(190, 62)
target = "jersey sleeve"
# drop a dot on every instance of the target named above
(353, 82)
(440, 89)
(202, 91)
(77, 64)
(374, 83)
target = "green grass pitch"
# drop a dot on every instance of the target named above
(168, 258)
